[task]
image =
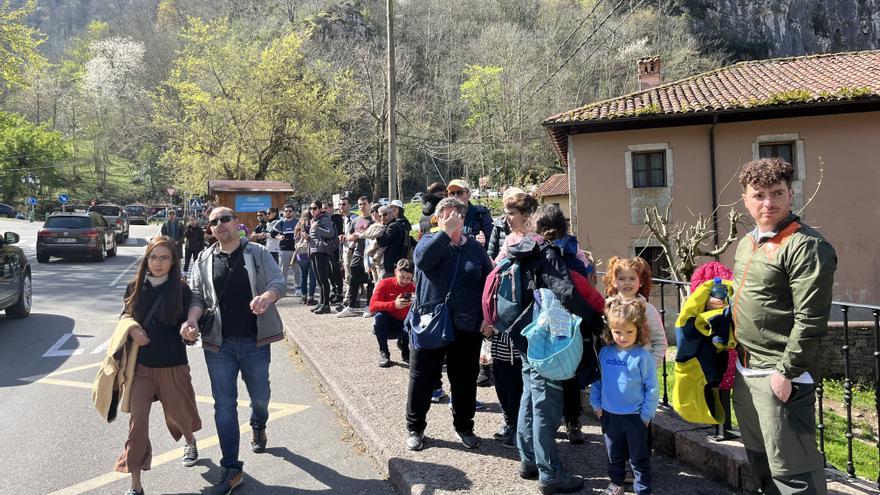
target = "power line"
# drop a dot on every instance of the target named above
(583, 43)
(448, 142)
(562, 45)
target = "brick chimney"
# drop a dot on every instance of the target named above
(649, 72)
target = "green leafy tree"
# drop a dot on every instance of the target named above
(237, 108)
(27, 148)
(18, 43)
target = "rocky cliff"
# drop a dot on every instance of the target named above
(750, 29)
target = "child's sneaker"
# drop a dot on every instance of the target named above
(437, 396)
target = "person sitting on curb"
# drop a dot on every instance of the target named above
(391, 300)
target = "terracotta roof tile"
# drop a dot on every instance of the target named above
(752, 84)
(556, 185)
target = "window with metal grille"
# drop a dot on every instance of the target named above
(649, 169)
(655, 257)
(784, 151)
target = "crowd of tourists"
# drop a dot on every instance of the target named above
(469, 293)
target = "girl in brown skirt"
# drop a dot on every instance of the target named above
(158, 299)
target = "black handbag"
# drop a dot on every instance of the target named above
(206, 322)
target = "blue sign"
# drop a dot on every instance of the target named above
(63, 198)
(252, 202)
(195, 204)
(32, 201)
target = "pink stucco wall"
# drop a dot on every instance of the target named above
(846, 209)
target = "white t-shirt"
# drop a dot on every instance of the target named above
(272, 244)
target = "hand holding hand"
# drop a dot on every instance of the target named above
(139, 336)
(189, 330)
(781, 386)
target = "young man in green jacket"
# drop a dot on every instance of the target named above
(783, 276)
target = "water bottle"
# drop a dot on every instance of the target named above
(560, 323)
(719, 290)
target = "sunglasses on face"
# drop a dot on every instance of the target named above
(459, 192)
(313, 207)
(220, 219)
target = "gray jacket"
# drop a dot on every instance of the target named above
(264, 274)
(322, 235)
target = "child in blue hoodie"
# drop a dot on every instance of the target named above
(625, 398)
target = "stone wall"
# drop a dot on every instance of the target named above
(861, 353)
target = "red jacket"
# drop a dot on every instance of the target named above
(385, 293)
(587, 291)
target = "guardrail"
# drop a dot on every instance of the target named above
(726, 431)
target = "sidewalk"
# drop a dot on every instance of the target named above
(343, 354)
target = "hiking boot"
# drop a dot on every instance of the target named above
(384, 359)
(502, 432)
(322, 310)
(190, 454)
(230, 479)
(566, 484)
(438, 395)
(468, 439)
(348, 313)
(415, 441)
(575, 435)
(613, 489)
(528, 470)
(258, 443)
(404, 351)
(484, 379)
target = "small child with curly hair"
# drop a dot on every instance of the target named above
(629, 279)
(625, 398)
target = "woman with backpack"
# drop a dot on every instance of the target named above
(450, 267)
(541, 265)
(506, 361)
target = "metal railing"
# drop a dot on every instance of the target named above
(726, 432)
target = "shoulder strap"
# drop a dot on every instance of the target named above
(228, 278)
(454, 272)
(153, 308)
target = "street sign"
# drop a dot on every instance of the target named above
(63, 198)
(195, 204)
(32, 201)
(171, 191)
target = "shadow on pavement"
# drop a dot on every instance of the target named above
(23, 343)
(335, 481)
(434, 478)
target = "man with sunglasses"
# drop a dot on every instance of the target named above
(477, 219)
(282, 230)
(239, 282)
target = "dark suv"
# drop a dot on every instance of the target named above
(15, 278)
(8, 211)
(116, 218)
(136, 214)
(76, 234)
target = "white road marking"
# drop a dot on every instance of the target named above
(103, 347)
(56, 351)
(124, 272)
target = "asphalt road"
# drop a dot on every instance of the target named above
(54, 442)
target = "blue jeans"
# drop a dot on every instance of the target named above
(307, 276)
(238, 354)
(540, 411)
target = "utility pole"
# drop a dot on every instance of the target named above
(392, 107)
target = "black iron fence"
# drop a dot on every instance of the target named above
(840, 309)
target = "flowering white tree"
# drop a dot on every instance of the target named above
(116, 68)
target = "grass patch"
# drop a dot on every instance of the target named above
(863, 397)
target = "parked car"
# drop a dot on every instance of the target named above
(136, 214)
(417, 198)
(384, 201)
(76, 234)
(8, 211)
(116, 217)
(15, 278)
(159, 216)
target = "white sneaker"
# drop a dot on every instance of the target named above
(348, 313)
(369, 314)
